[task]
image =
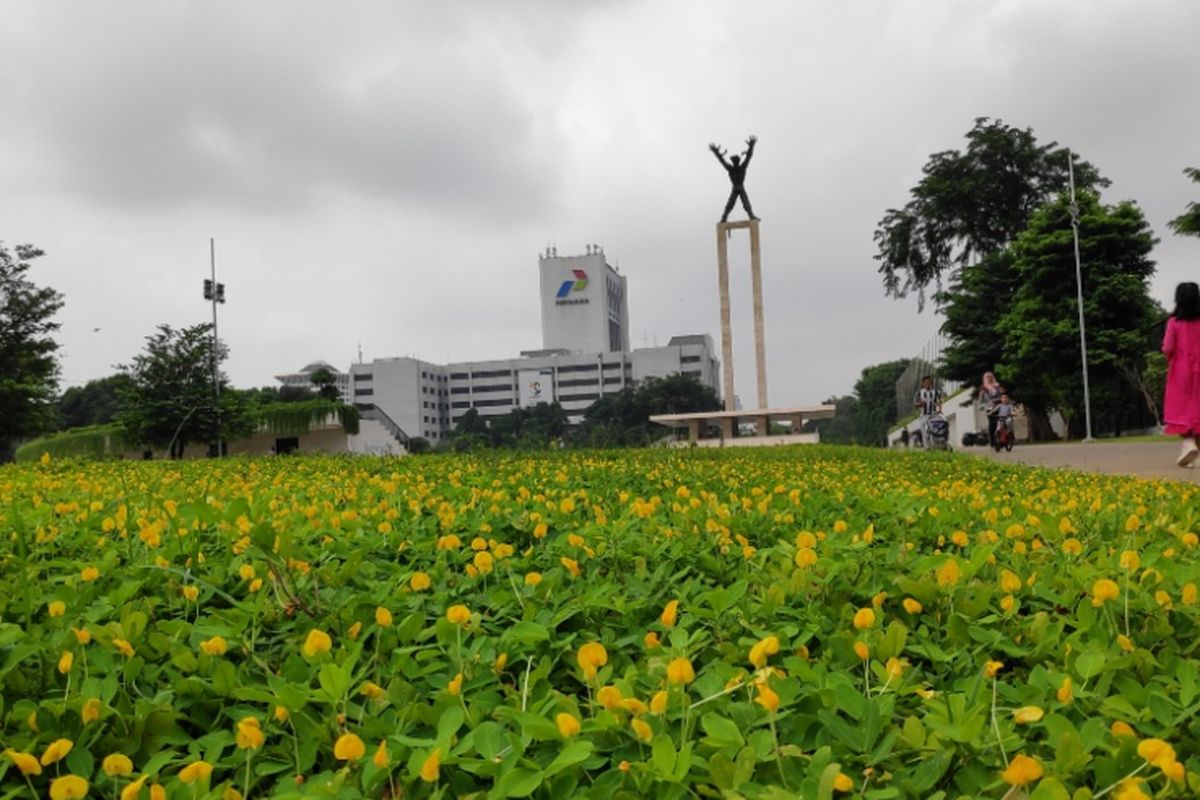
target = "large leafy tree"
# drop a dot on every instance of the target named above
(28, 352)
(973, 304)
(970, 203)
(1041, 357)
(169, 401)
(95, 403)
(1188, 223)
(876, 410)
(326, 383)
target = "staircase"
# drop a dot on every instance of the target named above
(376, 414)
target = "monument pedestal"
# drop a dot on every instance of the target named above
(724, 231)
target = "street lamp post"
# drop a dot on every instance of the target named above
(1087, 396)
(215, 292)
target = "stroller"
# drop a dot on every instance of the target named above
(939, 432)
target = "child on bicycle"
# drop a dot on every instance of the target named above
(1004, 413)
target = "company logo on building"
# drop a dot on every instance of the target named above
(570, 287)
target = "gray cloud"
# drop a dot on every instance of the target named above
(388, 172)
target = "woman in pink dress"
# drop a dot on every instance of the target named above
(1181, 344)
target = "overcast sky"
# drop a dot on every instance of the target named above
(388, 172)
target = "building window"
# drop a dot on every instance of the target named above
(364, 376)
(691, 372)
(495, 387)
(459, 376)
(579, 368)
(492, 403)
(613, 365)
(578, 398)
(580, 382)
(460, 404)
(689, 360)
(460, 390)
(359, 392)
(611, 381)
(494, 373)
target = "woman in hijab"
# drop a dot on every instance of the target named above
(989, 397)
(1181, 345)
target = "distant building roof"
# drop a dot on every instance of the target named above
(691, 338)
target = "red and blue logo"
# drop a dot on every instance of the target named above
(578, 285)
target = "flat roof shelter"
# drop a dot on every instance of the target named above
(697, 422)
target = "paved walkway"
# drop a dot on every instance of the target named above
(1144, 459)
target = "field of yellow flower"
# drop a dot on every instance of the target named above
(810, 622)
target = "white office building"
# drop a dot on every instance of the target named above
(585, 354)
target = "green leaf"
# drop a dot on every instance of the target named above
(1050, 789)
(662, 753)
(488, 739)
(528, 633)
(449, 723)
(1090, 663)
(520, 782)
(572, 754)
(721, 732)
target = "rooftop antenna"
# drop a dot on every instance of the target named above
(360, 351)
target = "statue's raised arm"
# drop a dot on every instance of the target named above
(753, 140)
(720, 154)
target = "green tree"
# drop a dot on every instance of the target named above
(169, 400)
(841, 428)
(623, 419)
(95, 403)
(28, 352)
(1041, 357)
(875, 411)
(970, 203)
(326, 383)
(1188, 223)
(973, 306)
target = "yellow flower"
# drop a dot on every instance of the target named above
(216, 646)
(895, 668)
(1104, 590)
(134, 790)
(912, 606)
(568, 725)
(806, 557)
(316, 642)
(429, 767)
(533, 578)
(84, 636)
(992, 667)
(90, 711)
(419, 582)
(1130, 560)
(864, 618)
(1072, 546)
(572, 566)
(1007, 602)
(455, 685)
(191, 592)
(1133, 523)
(254, 586)
(281, 714)
(68, 787)
(1009, 581)
(56, 751)
(1027, 714)
(591, 656)
(25, 762)
(483, 562)
(383, 617)
(680, 671)
(1022, 770)
(249, 734)
(125, 648)
(658, 703)
(458, 614)
(762, 650)
(948, 573)
(89, 574)
(609, 697)
(1120, 728)
(670, 614)
(381, 758)
(642, 730)
(246, 572)
(57, 608)
(117, 764)
(65, 661)
(195, 771)
(348, 747)
(1130, 789)
(843, 782)
(355, 629)
(766, 696)
(1125, 642)
(1156, 751)
(230, 793)
(650, 640)
(862, 651)
(157, 792)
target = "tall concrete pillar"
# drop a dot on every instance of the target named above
(726, 326)
(760, 346)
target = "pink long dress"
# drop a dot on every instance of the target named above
(1181, 407)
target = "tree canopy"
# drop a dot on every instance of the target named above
(28, 351)
(1040, 361)
(169, 401)
(95, 403)
(623, 418)
(970, 203)
(1188, 223)
(326, 383)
